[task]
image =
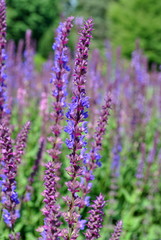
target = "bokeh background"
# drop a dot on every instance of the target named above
(124, 58)
(122, 22)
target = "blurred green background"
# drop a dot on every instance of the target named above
(121, 21)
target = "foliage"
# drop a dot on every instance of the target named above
(136, 19)
(36, 15)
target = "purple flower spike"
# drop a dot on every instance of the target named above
(60, 69)
(77, 130)
(102, 123)
(92, 159)
(51, 211)
(21, 142)
(3, 96)
(59, 84)
(82, 57)
(9, 196)
(117, 231)
(100, 132)
(94, 224)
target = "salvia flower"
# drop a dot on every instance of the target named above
(9, 195)
(59, 84)
(92, 159)
(117, 231)
(94, 224)
(100, 131)
(102, 123)
(77, 129)
(51, 210)
(3, 94)
(21, 142)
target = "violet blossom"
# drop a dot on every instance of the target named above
(92, 159)
(77, 130)
(3, 94)
(94, 224)
(59, 81)
(10, 198)
(59, 84)
(21, 142)
(117, 231)
(100, 131)
(51, 210)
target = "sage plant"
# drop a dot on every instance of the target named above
(59, 84)
(94, 224)
(51, 211)
(92, 159)
(10, 198)
(82, 164)
(59, 81)
(21, 142)
(77, 129)
(117, 231)
(100, 131)
(3, 93)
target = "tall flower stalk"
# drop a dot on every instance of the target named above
(3, 94)
(51, 211)
(95, 218)
(59, 84)
(92, 159)
(51, 178)
(21, 142)
(117, 231)
(77, 129)
(10, 198)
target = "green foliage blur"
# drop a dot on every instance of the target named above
(121, 21)
(37, 15)
(136, 19)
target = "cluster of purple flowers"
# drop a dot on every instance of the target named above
(9, 195)
(82, 161)
(95, 219)
(59, 83)
(51, 211)
(77, 130)
(10, 160)
(3, 95)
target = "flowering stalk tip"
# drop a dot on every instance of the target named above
(59, 83)
(77, 129)
(94, 224)
(117, 231)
